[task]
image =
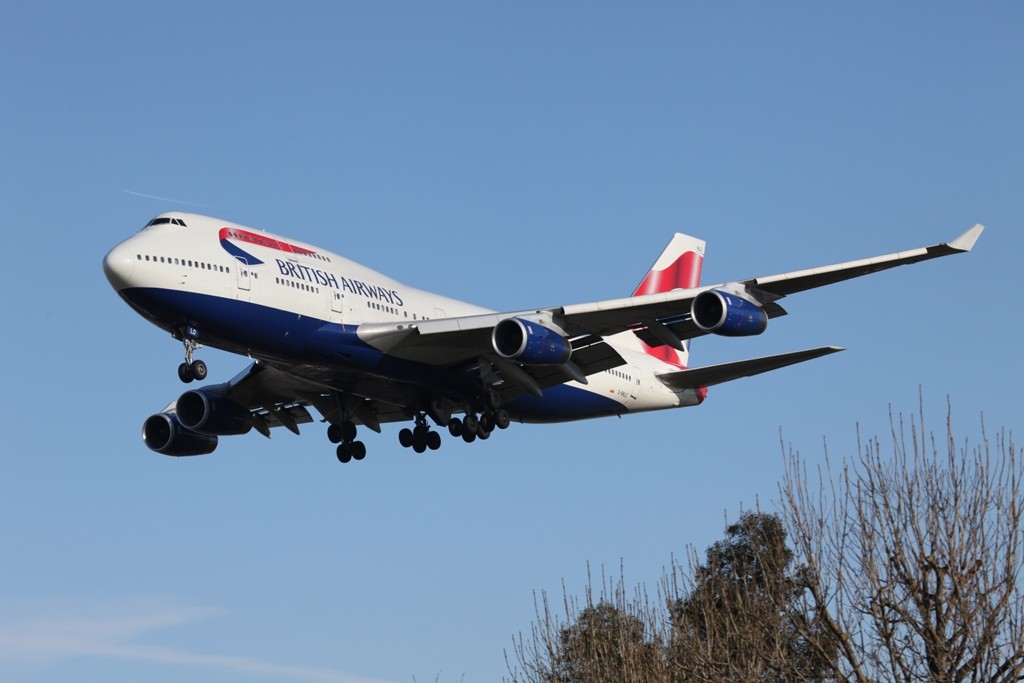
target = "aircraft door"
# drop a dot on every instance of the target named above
(634, 384)
(337, 301)
(244, 276)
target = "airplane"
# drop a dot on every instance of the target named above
(365, 350)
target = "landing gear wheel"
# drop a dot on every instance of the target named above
(483, 434)
(344, 452)
(455, 427)
(348, 431)
(405, 437)
(334, 433)
(486, 422)
(469, 437)
(420, 432)
(433, 441)
(185, 373)
(358, 450)
(470, 424)
(502, 419)
(492, 399)
(419, 446)
(198, 369)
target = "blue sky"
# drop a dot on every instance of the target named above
(511, 154)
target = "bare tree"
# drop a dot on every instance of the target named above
(912, 557)
(898, 566)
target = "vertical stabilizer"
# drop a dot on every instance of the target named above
(678, 267)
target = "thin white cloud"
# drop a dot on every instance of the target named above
(42, 634)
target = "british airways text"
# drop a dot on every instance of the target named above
(325, 279)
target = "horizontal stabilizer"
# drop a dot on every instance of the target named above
(694, 378)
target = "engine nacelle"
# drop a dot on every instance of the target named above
(529, 342)
(208, 413)
(164, 434)
(727, 314)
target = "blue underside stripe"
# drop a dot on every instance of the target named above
(563, 402)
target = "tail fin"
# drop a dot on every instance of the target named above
(678, 267)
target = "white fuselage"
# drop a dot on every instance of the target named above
(257, 293)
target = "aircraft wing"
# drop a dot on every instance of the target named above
(277, 398)
(658, 319)
(798, 281)
(274, 398)
(672, 308)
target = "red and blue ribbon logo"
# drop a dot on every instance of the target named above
(228, 237)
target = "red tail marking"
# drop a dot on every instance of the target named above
(666, 354)
(683, 273)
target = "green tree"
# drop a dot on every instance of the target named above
(604, 645)
(611, 639)
(735, 617)
(741, 618)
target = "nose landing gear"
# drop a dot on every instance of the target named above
(191, 369)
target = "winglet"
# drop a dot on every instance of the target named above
(965, 242)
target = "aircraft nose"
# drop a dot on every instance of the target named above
(118, 265)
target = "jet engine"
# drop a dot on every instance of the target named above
(727, 314)
(206, 412)
(164, 434)
(529, 342)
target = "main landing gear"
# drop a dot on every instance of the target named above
(191, 369)
(470, 428)
(344, 434)
(421, 437)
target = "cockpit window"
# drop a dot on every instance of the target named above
(164, 220)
